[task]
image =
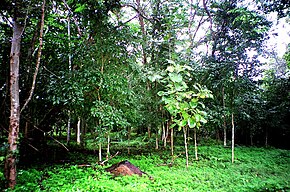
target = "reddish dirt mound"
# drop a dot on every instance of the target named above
(124, 168)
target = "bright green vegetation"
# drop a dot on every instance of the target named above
(99, 76)
(255, 169)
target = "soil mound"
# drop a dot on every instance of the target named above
(124, 168)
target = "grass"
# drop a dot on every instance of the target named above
(255, 169)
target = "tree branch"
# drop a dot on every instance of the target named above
(75, 20)
(140, 12)
(38, 57)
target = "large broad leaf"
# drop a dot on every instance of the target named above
(154, 77)
(80, 8)
(203, 120)
(184, 106)
(171, 109)
(161, 93)
(200, 118)
(193, 103)
(197, 117)
(167, 100)
(181, 124)
(175, 77)
(191, 122)
(203, 113)
(170, 69)
(185, 115)
(202, 95)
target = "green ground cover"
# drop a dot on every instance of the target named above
(255, 169)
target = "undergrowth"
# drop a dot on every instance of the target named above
(255, 169)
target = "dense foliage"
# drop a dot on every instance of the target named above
(105, 72)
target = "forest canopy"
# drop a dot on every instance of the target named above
(94, 72)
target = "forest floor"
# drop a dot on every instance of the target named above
(254, 169)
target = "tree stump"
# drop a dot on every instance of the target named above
(124, 168)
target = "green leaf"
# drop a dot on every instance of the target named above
(81, 8)
(160, 93)
(170, 69)
(191, 122)
(197, 117)
(177, 78)
(184, 106)
(185, 115)
(193, 103)
(203, 120)
(203, 113)
(170, 62)
(154, 77)
(182, 123)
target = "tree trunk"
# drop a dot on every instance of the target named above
(26, 130)
(10, 164)
(100, 152)
(251, 139)
(225, 133)
(195, 144)
(233, 139)
(156, 140)
(224, 118)
(68, 128)
(163, 135)
(70, 69)
(142, 26)
(185, 145)
(79, 131)
(108, 146)
(171, 143)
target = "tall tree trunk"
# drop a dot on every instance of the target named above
(233, 138)
(79, 131)
(171, 143)
(108, 146)
(68, 132)
(100, 152)
(195, 143)
(69, 68)
(157, 140)
(165, 133)
(10, 164)
(150, 110)
(142, 26)
(224, 118)
(251, 138)
(185, 145)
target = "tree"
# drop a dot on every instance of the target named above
(18, 27)
(184, 103)
(236, 31)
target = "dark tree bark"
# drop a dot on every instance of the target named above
(10, 164)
